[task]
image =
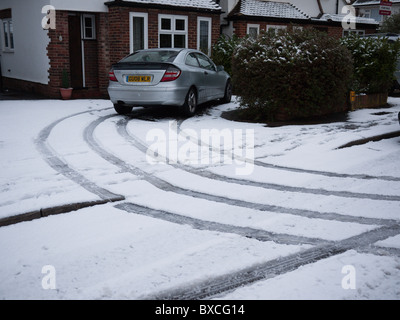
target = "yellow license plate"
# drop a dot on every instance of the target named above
(138, 79)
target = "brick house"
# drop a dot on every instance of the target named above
(250, 17)
(86, 37)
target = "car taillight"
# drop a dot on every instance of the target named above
(112, 76)
(171, 74)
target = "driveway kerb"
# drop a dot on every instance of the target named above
(66, 208)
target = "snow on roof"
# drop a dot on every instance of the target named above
(342, 17)
(371, 2)
(271, 9)
(203, 4)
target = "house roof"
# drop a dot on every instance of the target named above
(195, 4)
(371, 2)
(271, 9)
(257, 8)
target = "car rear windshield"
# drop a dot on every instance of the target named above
(152, 56)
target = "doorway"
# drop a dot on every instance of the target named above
(75, 51)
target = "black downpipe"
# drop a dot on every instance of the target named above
(1, 78)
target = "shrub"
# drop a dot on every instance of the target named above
(375, 61)
(299, 74)
(65, 79)
(222, 51)
(391, 24)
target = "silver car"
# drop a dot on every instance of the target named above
(167, 77)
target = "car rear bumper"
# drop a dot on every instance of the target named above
(147, 95)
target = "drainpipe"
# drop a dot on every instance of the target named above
(1, 78)
(321, 10)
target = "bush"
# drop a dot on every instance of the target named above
(222, 51)
(391, 24)
(298, 74)
(375, 61)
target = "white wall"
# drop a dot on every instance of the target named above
(29, 59)
(79, 5)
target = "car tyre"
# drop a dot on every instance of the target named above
(228, 92)
(121, 109)
(189, 108)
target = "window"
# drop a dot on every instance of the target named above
(253, 30)
(173, 31)
(366, 13)
(204, 35)
(138, 31)
(192, 61)
(356, 32)
(8, 35)
(205, 62)
(152, 56)
(88, 27)
(275, 28)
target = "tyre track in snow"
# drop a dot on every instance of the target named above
(322, 249)
(213, 287)
(168, 187)
(55, 161)
(284, 168)
(122, 129)
(248, 232)
(135, 142)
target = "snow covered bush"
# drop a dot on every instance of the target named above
(222, 51)
(375, 61)
(291, 75)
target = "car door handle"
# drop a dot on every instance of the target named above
(206, 73)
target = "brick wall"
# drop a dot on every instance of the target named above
(240, 27)
(104, 52)
(119, 28)
(112, 44)
(58, 52)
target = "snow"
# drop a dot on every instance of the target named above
(344, 17)
(271, 9)
(185, 224)
(204, 4)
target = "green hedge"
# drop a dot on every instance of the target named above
(375, 60)
(291, 74)
(222, 51)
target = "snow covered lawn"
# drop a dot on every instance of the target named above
(259, 213)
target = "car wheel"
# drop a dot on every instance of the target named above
(190, 106)
(228, 92)
(121, 109)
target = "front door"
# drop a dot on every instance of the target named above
(75, 51)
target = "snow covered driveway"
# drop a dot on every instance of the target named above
(158, 207)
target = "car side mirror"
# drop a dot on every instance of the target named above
(220, 68)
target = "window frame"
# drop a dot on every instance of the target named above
(276, 27)
(173, 32)
(145, 17)
(8, 43)
(253, 26)
(199, 55)
(92, 17)
(348, 32)
(209, 30)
